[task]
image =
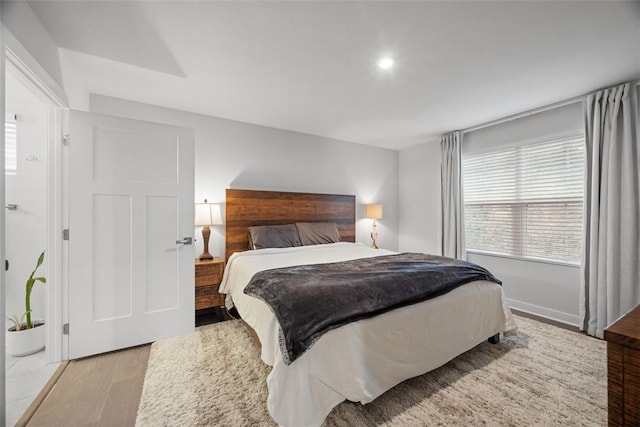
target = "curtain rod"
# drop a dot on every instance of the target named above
(531, 112)
(524, 114)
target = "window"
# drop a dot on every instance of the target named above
(526, 201)
(10, 145)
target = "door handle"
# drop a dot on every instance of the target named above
(185, 241)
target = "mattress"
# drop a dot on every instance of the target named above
(361, 360)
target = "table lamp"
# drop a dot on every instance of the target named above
(207, 214)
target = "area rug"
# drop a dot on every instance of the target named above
(542, 376)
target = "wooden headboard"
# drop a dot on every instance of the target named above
(247, 208)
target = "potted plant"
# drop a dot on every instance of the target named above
(27, 336)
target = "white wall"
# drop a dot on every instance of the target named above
(548, 290)
(24, 25)
(419, 198)
(232, 154)
(77, 93)
(26, 230)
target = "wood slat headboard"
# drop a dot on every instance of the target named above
(247, 208)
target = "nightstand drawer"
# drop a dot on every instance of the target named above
(208, 278)
(208, 296)
(207, 274)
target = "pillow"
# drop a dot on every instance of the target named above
(273, 236)
(316, 233)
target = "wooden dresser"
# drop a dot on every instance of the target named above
(623, 364)
(208, 278)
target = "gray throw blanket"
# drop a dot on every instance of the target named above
(309, 300)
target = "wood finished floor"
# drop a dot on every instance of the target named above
(102, 390)
(105, 390)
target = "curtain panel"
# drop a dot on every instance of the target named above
(611, 259)
(452, 213)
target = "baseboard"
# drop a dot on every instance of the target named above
(555, 315)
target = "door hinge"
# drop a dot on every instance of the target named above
(66, 139)
(65, 234)
(65, 329)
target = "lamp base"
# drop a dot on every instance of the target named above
(374, 235)
(205, 255)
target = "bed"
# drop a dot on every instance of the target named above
(360, 360)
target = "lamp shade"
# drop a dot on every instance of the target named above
(373, 211)
(208, 214)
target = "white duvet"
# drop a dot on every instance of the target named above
(361, 360)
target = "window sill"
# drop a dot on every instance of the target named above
(523, 258)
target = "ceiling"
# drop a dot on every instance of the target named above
(311, 66)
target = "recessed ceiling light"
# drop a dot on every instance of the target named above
(385, 62)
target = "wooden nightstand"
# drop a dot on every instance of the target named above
(623, 367)
(208, 278)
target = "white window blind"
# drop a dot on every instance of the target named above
(526, 201)
(10, 145)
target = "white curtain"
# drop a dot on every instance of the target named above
(611, 279)
(452, 212)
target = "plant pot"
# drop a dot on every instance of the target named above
(26, 341)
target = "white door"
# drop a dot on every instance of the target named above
(131, 187)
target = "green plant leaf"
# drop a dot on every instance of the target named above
(40, 260)
(29, 286)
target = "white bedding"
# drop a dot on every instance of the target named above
(361, 360)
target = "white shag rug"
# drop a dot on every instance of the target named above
(543, 376)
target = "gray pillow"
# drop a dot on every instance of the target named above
(273, 236)
(316, 233)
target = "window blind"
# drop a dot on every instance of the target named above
(10, 145)
(527, 200)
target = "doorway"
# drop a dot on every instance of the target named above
(27, 136)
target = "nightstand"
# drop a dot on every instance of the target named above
(208, 278)
(623, 369)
